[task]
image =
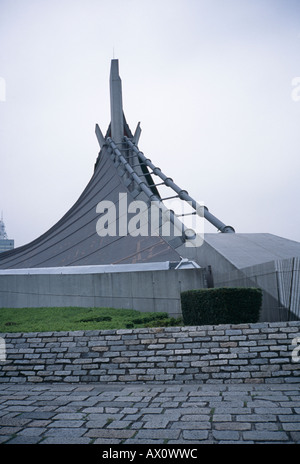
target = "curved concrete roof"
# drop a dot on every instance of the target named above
(74, 241)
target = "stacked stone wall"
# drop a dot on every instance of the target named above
(255, 353)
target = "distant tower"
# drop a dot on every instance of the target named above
(5, 243)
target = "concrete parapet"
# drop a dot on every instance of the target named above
(141, 290)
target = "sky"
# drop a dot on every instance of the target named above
(215, 85)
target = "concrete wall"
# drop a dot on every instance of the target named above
(261, 276)
(280, 282)
(144, 291)
(250, 353)
(266, 261)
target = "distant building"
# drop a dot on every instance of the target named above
(5, 243)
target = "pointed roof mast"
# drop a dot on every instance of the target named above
(116, 104)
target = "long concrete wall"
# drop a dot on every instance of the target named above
(144, 290)
(245, 353)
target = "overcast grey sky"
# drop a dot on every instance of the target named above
(213, 82)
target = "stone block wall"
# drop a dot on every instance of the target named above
(263, 352)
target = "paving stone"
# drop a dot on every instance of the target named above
(96, 424)
(109, 441)
(230, 410)
(265, 436)
(191, 425)
(93, 409)
(159, 423)
(24, 440)
(68, 416)
(256, 417)
(262, 426)
(32, 431)
(195, 417)
(206, 413)
(65, 441)
(21, 408)
(221, 417)
(160, 434)
(110, 433)
(37, 415)
(66, 423)
(195, 435)
(38, 423)
(226, 435)
(9, 430)
(104, 416)
(129, 410)
(232, 426)
(67, 431)
(13, 421)
(119, 424)
(283, 410)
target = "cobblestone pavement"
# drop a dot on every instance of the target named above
(149, 414)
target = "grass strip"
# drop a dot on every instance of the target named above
(77, 318)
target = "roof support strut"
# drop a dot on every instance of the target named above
(182, 194)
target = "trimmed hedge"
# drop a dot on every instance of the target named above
(221, 306)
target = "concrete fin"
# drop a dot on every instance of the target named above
(137, 134)
(99, 136)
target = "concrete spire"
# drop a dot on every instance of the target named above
(116, 104)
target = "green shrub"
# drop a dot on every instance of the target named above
(149, 318)
(96, 319)
(221, 306)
